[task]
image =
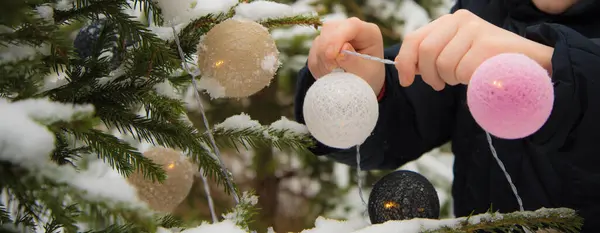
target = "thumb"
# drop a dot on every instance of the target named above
(348, 62)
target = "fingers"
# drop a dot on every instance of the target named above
(448, 60)
(429, 50)
(422, 49)
(358, 33)
(352, 33)
(467, 66)
(408, 56)
(327, 30)
(348, 62)
(317, 64)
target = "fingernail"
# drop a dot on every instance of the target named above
(341, 56)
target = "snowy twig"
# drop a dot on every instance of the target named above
(295, 20)
(242, 130)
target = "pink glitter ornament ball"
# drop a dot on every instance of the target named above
(510, 96)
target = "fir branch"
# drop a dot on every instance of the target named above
(4, 216)
(64, 154)
(21, 79)
(61, 216)
(57, 205)
(117, 95)
(309, 20)
(255, 137)
(129, 28)
(14, 12)
(561, 219)
(288, 140)
(34, 31)
(212, 169)
(154, 64)
(191, 33)
(164, 127)
(231, 11)
(181, 82)
(242, 213)
(170, 221)
(127, 228)
(83, 74)
(113, 103)
(168, 134)
(120, 155)
(162, 108)
(149, 6)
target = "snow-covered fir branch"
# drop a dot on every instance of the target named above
(242, 213)
(33, 185)
(561, 219)
(283, 134)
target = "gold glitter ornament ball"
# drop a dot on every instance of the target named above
(237, 58)
(165, 196)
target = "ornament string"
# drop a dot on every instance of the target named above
(364, 56)
(359, 176)
(206, 125)
(359, 181)
(211, 204)
(512, 185)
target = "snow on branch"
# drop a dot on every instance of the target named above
(272, 14)
(27, 172)
(283, 134)
(242, 213)
(561, 219)
(26, 139)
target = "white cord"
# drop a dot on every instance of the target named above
(206, 125)
(211, 204)
(385, 61)
(359, 176)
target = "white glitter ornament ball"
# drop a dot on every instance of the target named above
(340, 110)
(166, 196)
(237, 58)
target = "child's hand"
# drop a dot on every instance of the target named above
(449, 49)
(349, 34)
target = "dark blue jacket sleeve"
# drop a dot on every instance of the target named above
(574, 124)
(576, 78)
(411, 121)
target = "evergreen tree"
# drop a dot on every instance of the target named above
(63, 98)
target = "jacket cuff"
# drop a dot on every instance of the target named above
(381, 93)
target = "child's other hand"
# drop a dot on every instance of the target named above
(449, 49)
(349, 34)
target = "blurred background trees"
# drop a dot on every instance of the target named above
(294, 189)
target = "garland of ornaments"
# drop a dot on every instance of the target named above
(509, 95)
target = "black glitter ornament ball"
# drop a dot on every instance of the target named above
(403, 195)
(88, 36)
